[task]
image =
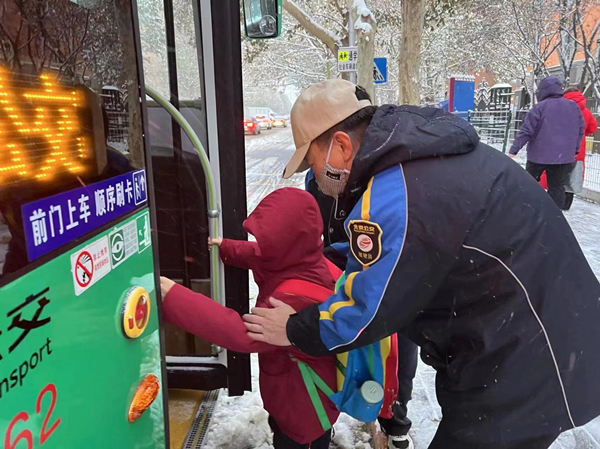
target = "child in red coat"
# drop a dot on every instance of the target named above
(288, 265)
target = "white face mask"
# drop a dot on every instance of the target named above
(332, 181)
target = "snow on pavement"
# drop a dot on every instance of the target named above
(241, 422)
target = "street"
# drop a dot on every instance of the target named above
(241, 422)
(266, 157)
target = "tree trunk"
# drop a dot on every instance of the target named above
(366, 52)
(413, 17)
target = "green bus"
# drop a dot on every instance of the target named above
(106, 182)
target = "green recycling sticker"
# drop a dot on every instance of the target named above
(117, 247)
(129, 239)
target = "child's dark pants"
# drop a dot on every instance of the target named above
(282, 441)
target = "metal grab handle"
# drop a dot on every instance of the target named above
(217, 285)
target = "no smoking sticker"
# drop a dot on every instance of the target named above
(90, 264)
(84, 269)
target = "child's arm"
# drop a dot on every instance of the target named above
(238, 253)
(209, 320)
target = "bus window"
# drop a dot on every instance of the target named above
(64, 118)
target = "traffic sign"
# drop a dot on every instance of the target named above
(347, 59)
(380, 70)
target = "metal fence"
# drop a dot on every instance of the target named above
(499, 129)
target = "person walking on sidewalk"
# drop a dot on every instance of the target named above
(552, 130)
(575, 184)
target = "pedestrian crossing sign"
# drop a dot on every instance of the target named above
(380, 70)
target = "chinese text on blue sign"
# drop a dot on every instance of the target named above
(57, 220)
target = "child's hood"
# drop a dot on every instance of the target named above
(287, 225)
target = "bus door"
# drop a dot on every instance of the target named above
(192, 57)
(191, 53)
(80, 346)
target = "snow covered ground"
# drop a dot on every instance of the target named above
(241, 422)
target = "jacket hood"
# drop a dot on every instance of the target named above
(287, 225)
(399, 134)
(578, 98)
(549, 87)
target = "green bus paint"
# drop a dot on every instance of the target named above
(67, 372)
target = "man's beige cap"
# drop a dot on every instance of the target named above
(317, 109)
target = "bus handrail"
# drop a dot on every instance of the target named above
(213, 200)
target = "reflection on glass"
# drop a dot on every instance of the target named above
(151, 17)
(189, 77)
(260, 18)
(268, 25)
(69, 105)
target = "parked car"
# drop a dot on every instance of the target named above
(251, 126)
(279, 121)
(264, 121)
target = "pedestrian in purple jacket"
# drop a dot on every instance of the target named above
(553, 130)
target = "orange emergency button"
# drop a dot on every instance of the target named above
(144, 396)
(136, 312)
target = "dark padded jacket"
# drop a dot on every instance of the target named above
(334, 231)
(455, 245)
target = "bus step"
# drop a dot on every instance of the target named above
(199, 427)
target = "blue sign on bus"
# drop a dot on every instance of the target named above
(57, 220)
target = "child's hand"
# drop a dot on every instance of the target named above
(216, 241)
(165, 286)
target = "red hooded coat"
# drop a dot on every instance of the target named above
(287, 263)
(591, 126)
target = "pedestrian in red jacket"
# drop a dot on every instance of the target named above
(288, 265)
(591, 126)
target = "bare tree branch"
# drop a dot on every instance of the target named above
(331, 40)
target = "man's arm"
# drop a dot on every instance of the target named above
(412, 261)
(528, 130)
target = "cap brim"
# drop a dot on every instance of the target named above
(297, 163)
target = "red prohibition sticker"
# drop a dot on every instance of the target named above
(84, 269)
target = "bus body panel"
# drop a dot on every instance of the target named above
(73, 375)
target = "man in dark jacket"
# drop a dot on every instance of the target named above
(446, 236)
(335, 249)
(553, 130)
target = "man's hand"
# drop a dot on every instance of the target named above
(165, 286)
(268, 325)
(512, 156)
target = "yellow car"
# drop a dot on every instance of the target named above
(280, 122)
